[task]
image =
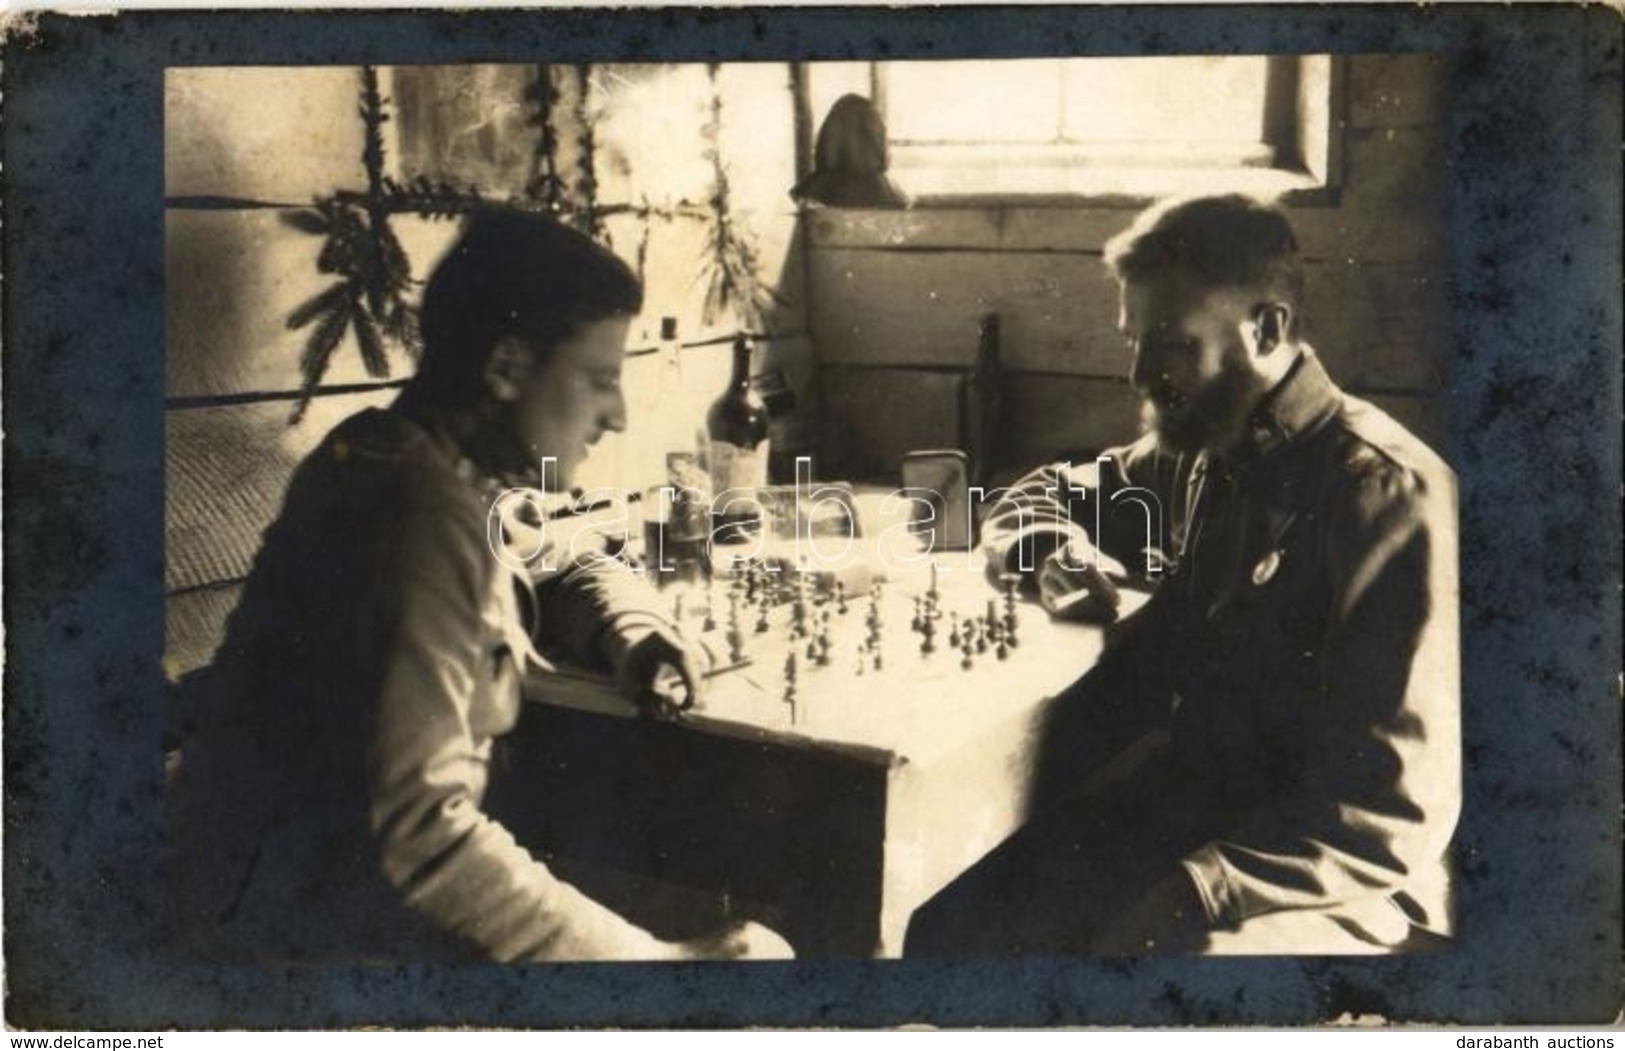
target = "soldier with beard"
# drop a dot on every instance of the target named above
(1300, 648)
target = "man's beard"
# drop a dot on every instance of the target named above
(1211, 420)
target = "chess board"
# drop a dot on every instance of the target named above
(802, 655)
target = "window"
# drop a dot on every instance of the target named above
(1130, 127)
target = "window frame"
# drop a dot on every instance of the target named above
(1307, 170)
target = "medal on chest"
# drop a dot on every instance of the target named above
(1264, 571)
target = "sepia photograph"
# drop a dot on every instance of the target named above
(937, 511)
(394, 295)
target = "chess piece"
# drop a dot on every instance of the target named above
(798, 606)
(761, 619)
(1003, 651)
(928, 643)
(840, 598)
(953, 630)
(918, 623)
(981, 637)
(966, 648)
(1009, 580)
(736, 645)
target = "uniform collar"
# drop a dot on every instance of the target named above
(1297, 406)
(472, 464)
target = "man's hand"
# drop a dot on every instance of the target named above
(660, 670)
(739, 941)
(1072, 586)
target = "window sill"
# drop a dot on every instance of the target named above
(1098, 187)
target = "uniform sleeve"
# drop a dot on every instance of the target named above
(1382, 791)
(425, 770)
(591, 607)
(1056, 504)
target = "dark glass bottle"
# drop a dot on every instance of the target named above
(980, 413)
(737, 424)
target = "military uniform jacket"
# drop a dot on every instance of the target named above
(329, 801)
(1303, 636)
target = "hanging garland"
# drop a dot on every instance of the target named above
(371, 295)
(591, 222)
(546, 186)
(645, 229)
(732, 267)
(360, 249)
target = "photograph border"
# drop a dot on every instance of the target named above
(1534, 398)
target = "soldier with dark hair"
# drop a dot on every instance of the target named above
(1301, 647)
(329, 804)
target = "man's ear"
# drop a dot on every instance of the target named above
(1272, 321)
(507, 366)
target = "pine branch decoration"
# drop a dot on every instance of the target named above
(429, 199)
(546, 185)
(732, 269)
(591, 222)
(372, 296)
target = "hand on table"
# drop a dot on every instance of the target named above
(661, 671)
(738, 941)
(1072, 585)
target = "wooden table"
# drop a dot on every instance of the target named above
(833, 825)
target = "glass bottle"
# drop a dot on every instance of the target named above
(684, 512)
(737, 425)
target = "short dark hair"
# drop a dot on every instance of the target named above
(1229, 241)
(514, 273)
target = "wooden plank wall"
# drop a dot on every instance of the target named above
(899, 294)
(244, 145)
